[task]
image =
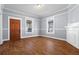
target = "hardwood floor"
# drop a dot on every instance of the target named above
(38, 46)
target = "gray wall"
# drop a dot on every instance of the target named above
(73, 18)
(24, 33)
(39, 25)
(73, 14)
(60, 21)
(0, 24)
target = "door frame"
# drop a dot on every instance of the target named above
(12, 17)
(1, 29)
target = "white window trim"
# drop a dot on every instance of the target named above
(26, 25)
(11, 17)
(50, 19)
(1, 39)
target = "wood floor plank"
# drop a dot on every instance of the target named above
(38, 46)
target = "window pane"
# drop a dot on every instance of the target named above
(29, 26)
(50, 26)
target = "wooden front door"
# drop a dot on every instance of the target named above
(14, 29)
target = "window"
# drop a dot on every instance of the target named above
(29, 25)
(50, 26)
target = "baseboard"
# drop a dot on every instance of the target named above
(63, 40)
(23, 37)
(73, 44)
(5, 40)
(53, 37)
(47, 37)
(29, 36)
(1, 43)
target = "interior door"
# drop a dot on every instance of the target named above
(14, 29)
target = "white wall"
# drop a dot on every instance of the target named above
(73, 26)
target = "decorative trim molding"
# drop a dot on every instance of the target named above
(73, 8)
(1, 32)
(9, 25)
(5, 40)
(54, 37)
(72, 44)
(36, 36)
(27, 18)
(1, 42)
(52, 26)
(23, 37)
(60, 14)
(30, 36)
(62, 40)
(47, 37)
(22, 12)
(13, 14)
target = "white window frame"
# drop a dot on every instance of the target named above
(26, 25)
(50, 19)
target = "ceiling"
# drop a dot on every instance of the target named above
(33, 10)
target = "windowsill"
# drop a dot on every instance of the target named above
(50, 33)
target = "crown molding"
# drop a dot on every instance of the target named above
(66, 9)
(72, 7)
(19, 12)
